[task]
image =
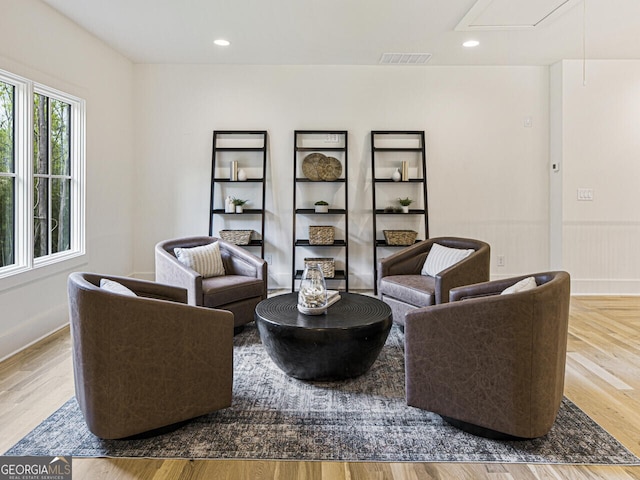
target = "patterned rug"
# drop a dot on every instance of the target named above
(274, 416)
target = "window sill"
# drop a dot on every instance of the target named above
(23, 276)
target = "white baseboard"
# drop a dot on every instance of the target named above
(581, 286)
(151, 276)
(33, 330)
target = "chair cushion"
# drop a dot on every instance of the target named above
(219, 291)
(418, 290)
(440, 258)
(204, 259)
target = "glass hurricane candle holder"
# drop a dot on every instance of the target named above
(312, 297)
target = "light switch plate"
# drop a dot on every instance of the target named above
(585, 194)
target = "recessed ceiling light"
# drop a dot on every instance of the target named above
(471, 43)
(222, 43)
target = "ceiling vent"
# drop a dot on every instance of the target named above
(404, 58)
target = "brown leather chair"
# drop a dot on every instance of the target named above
(242, 287)
(403, 288)
(492, 364)
(145, 362)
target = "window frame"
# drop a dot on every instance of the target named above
(12, 173)
(24, 261)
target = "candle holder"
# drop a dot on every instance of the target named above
(312, 297)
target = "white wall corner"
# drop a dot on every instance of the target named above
(555, 165)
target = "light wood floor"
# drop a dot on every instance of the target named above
(603, 379)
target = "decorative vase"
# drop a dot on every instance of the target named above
(233, 171)
(312, 297)
(229, 207)
(239, 209)
(242, 175)
(397, 176)
(405, 171)
(405, 208)
(322, 208)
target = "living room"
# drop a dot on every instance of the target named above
(494, 134)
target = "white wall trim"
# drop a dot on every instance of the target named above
(33, 331)
(605, 286)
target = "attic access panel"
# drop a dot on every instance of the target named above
(513, 14)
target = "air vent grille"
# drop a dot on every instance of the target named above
(404, 58)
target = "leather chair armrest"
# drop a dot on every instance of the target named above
(238, 261)
(170, 271)
(484, 289)
(407, 261)
(471, 270)
(144, 288)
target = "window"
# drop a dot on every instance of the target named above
(7, 175)
(51, 176)
(41, 175)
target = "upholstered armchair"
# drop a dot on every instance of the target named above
(143, 359)
(402, 286)
(239, 290)
(492, 364)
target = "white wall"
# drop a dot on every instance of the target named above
(600, 150)
(488, 173)
(40, 44)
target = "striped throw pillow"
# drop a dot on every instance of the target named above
(205, 259)
(440, 258)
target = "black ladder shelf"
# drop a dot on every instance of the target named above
(333, 143)
(249, 149)
(389, 149)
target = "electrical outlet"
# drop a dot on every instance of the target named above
(268, 258)
(500, 261)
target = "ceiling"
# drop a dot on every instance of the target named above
(359, 32)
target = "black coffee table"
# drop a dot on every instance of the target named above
(342, 343)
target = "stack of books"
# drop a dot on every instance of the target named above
(332, 297)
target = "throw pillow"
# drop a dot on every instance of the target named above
(115, 287)
(440, 258)
(205, 259)
(523, 285)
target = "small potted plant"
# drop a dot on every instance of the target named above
(404, 203)
(239, 203)
(321, 206)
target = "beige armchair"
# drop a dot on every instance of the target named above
(147, 361)
(242, 287)
(492, 364)
(403, 288)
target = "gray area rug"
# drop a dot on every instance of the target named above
(365, 419)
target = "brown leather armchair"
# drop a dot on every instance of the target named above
(147, 361)
(403, 288)
(492, 364)
(242, 287)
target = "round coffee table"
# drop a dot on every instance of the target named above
(342, 343)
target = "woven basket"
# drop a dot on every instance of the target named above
(327, 265)
(400, 237)
(237, 237)
(321, 235)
